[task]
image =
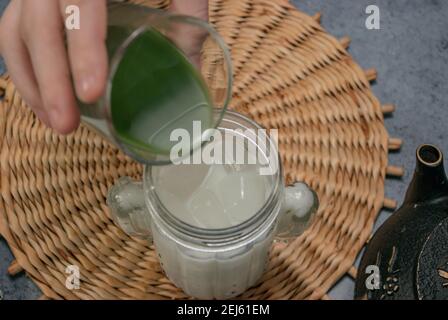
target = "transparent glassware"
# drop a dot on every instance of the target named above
(127, 25)
(218, 263)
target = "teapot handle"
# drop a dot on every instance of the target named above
(126, 201)
(297, 211)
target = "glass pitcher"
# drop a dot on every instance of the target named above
(209, 252)
(159, 80)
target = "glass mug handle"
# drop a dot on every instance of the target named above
(128, 209)
(297, 211)
(126, 202)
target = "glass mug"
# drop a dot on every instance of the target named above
(205, 259)
(159, 79)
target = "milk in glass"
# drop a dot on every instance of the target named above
(213, 197)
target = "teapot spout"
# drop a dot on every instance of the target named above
(429, 182)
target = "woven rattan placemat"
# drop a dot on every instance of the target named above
(289, 74)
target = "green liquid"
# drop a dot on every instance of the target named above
(154, 91)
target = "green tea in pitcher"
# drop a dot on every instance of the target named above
(155, 89)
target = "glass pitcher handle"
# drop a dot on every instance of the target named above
(128, 209)
(297, 211)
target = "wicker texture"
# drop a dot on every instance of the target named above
(289, 74)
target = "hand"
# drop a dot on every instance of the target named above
(190, 39)
(32, 43)
(194, 8)
(33, 46)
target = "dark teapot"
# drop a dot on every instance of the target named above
(407, 257)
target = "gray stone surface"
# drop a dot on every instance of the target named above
(410, 53)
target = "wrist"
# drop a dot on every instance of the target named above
(194, 8)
